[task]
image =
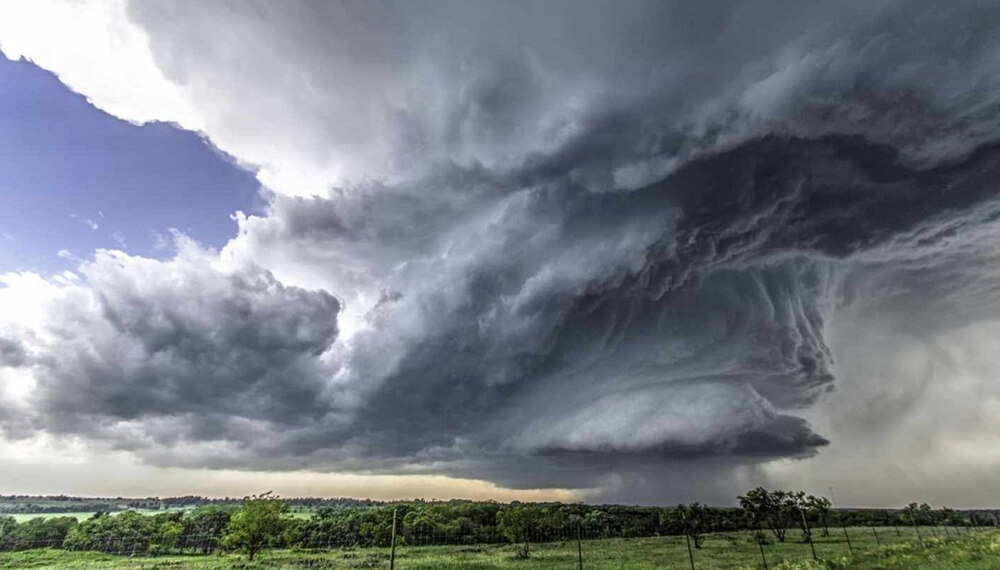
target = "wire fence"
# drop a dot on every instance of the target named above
(574, 547)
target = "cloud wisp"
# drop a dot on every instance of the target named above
(540, 244)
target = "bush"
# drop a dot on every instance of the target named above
(261, 522)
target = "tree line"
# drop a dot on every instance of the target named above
(266, 521)
(40, 504)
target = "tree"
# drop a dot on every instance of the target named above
(819, 506)
(333, 526)
(515, 522)
(125, 533)
(949, 517)
(259, 523)
(766, 509)
(7, 526)
(375, 525)
(693, 520)
(40, 532)
(422, 524)
(797, 505)
(167, 535)
(204, 526)
(926, 514)
(597, 523)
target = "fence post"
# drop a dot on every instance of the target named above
(809, 535)
(850, 547)
(687, 538)
(913, 521)
(392, 543)
(579, 546)
(877, 541)
(760, 544)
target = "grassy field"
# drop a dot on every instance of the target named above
(958, 551)
(84, 515)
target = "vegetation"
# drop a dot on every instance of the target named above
(777, 510)
(730, 551)
(517, 524)
(693, 520)
(261, 522)
(516, 531)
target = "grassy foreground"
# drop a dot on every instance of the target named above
(958, 550)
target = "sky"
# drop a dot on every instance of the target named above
(642, 252)
(76, 179)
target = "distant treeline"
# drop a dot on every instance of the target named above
(36, 504)
(212, 526)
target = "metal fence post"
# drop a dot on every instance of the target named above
(850, 547)
(687, 538)
(392, 543)
(809, 535)
(579, 546)
(913, 521)
(760, 544)
(690, 553)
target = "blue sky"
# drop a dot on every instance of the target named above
(73, 177)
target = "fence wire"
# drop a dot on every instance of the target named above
(574, 547)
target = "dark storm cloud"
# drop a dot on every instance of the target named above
(385, 89)
(181, 339)
(694, 346)
(12, 352)
(574, 243)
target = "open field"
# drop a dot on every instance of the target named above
(26, 508)
(84, 515)
(22, 517)
(978, 550)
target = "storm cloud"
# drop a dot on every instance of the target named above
(195, 350)
(543, 244)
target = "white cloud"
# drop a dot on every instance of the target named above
(86, 221)
(95, 50)
(344, 94)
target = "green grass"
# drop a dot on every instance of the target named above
(84, 515)
(301, 513)
(21, 517)
(734, 551)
